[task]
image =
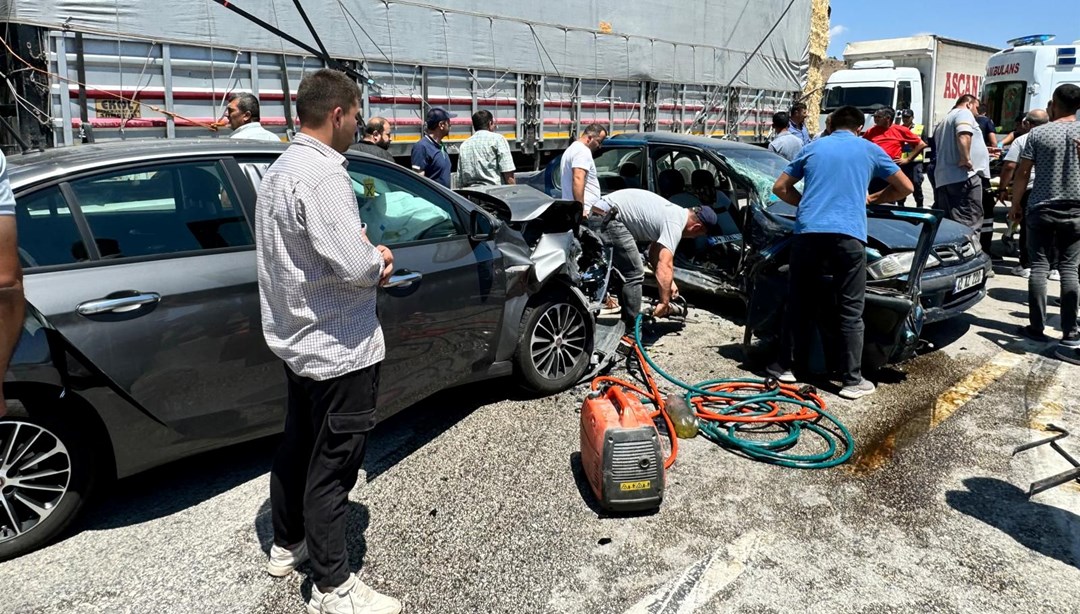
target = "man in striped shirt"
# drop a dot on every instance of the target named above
(318, 276)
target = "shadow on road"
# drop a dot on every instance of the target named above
(1007, 508)
(172, 488)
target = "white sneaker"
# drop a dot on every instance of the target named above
(283, 561)
(1055, 275)
(859, 390)
(353, 597)
(1020, 271)
(782, 375)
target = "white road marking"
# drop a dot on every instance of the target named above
(700, 582)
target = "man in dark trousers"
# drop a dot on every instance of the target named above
(830, 240)
(318, 276)
(376, 140)
(1053, 214)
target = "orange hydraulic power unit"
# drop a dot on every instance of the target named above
(620, 452)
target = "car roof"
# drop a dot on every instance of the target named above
(690, 140)
(36, 166)
(33, 167)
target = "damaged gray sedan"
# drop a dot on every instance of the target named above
(143, 342)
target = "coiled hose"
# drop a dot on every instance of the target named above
(760, 419)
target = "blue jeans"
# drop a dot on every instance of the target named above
(626, 259)
(1053, 229)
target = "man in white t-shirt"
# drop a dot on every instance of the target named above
(579, 180)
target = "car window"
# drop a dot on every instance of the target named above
(690, 178)
(400, 208)
(162, 209)
(47, 231)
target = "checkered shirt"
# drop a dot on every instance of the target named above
(318, 273)
(483, 158)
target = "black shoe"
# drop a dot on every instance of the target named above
(1071, 340)
(1030, 333)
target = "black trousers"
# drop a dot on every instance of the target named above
(317, 465)
(989, 201)
(914, 172)
(827, 291)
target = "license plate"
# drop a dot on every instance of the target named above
(969, 281)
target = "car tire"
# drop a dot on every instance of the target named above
(70, 465)
(554, 346)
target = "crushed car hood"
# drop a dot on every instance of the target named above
(514, 203)
(895, 235)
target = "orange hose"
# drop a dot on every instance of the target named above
(701, 405)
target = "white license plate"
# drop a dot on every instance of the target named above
(969, 281)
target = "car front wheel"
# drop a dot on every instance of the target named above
(46, 474)
(555, 345)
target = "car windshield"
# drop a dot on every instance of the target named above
(867, 98)
(759, 166)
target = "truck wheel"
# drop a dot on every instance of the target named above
(46, 475)
(555, 345)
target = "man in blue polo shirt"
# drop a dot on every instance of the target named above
(830, 241)
(429, 157)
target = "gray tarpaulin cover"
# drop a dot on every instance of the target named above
(681, 41)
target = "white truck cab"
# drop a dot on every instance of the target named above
(1024, 76)
(875, 84)
(924, 73)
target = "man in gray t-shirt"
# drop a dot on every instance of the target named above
(639, 216)
(1053, 215)
(962, 163)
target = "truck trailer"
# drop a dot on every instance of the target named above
(923, 73)
(97, 70)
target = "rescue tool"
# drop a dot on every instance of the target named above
(621, 447)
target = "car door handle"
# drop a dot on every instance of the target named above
(403, 278)
(120, 304)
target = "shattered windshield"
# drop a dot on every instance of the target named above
(760, 168)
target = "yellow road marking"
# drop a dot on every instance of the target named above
(968, 388)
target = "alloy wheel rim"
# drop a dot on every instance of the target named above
(35, 472)
(558, 341)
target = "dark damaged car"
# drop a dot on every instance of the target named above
(692, 170)
(143, 342)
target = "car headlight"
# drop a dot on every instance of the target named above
(896, 264)
(976, 244)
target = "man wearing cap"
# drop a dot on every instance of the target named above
(429, 157)
(641, 216)
(827, 277)
(911, 162)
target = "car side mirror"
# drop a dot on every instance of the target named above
(481, 228)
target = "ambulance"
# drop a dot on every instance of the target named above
(1023, 77)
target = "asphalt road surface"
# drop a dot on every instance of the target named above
(472, 503)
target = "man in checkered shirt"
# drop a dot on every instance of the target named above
(318, 277)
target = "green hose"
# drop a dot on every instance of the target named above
(777, 451)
